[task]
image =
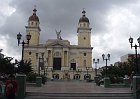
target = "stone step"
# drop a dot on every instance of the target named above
(34, 94)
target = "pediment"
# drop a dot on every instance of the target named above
(56, 44)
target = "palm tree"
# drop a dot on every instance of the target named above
(24, 67)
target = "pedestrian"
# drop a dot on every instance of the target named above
(11, 87)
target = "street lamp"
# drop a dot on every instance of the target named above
(106, 59)
(78, 73)
(135, 46)
(87, 77)
(96, 62)
(28, 37)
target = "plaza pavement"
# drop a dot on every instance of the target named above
(76, 90)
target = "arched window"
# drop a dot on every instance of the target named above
(85, 54)
(32, 23)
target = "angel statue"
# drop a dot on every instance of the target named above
(58, 34)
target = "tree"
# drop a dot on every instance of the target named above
(6, 66)
(132, 63)
(124, 68)
(24, 67)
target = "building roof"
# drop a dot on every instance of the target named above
(34, 17)
(84, 18)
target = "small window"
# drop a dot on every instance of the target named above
(32, 23)
(30, 53)
(85, 54)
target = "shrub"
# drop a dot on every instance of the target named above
(31, 77)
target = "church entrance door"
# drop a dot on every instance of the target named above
(57, 64)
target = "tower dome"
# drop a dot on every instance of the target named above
(84, 18)
(34, 17)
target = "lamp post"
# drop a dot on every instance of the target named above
(78, 74)
(87, 77)
(28, 37)
(106, 59)
(136, 78)
(87, 68)
(96, 62)
(135, 46)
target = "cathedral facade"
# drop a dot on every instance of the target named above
(57, 58)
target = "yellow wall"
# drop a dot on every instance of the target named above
(34, 38)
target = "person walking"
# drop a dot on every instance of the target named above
(11, 87)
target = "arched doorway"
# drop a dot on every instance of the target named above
(55, 76)
(76, 77)
(57, 61)
(87, 76)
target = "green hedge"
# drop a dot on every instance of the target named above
(31, 77)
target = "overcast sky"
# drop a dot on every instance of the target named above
(112, 23)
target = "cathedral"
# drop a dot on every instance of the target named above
(57, 58)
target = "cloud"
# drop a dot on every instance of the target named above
(8, 47)
(112, 22)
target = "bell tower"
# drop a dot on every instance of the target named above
(84, 31)
(33, 28)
